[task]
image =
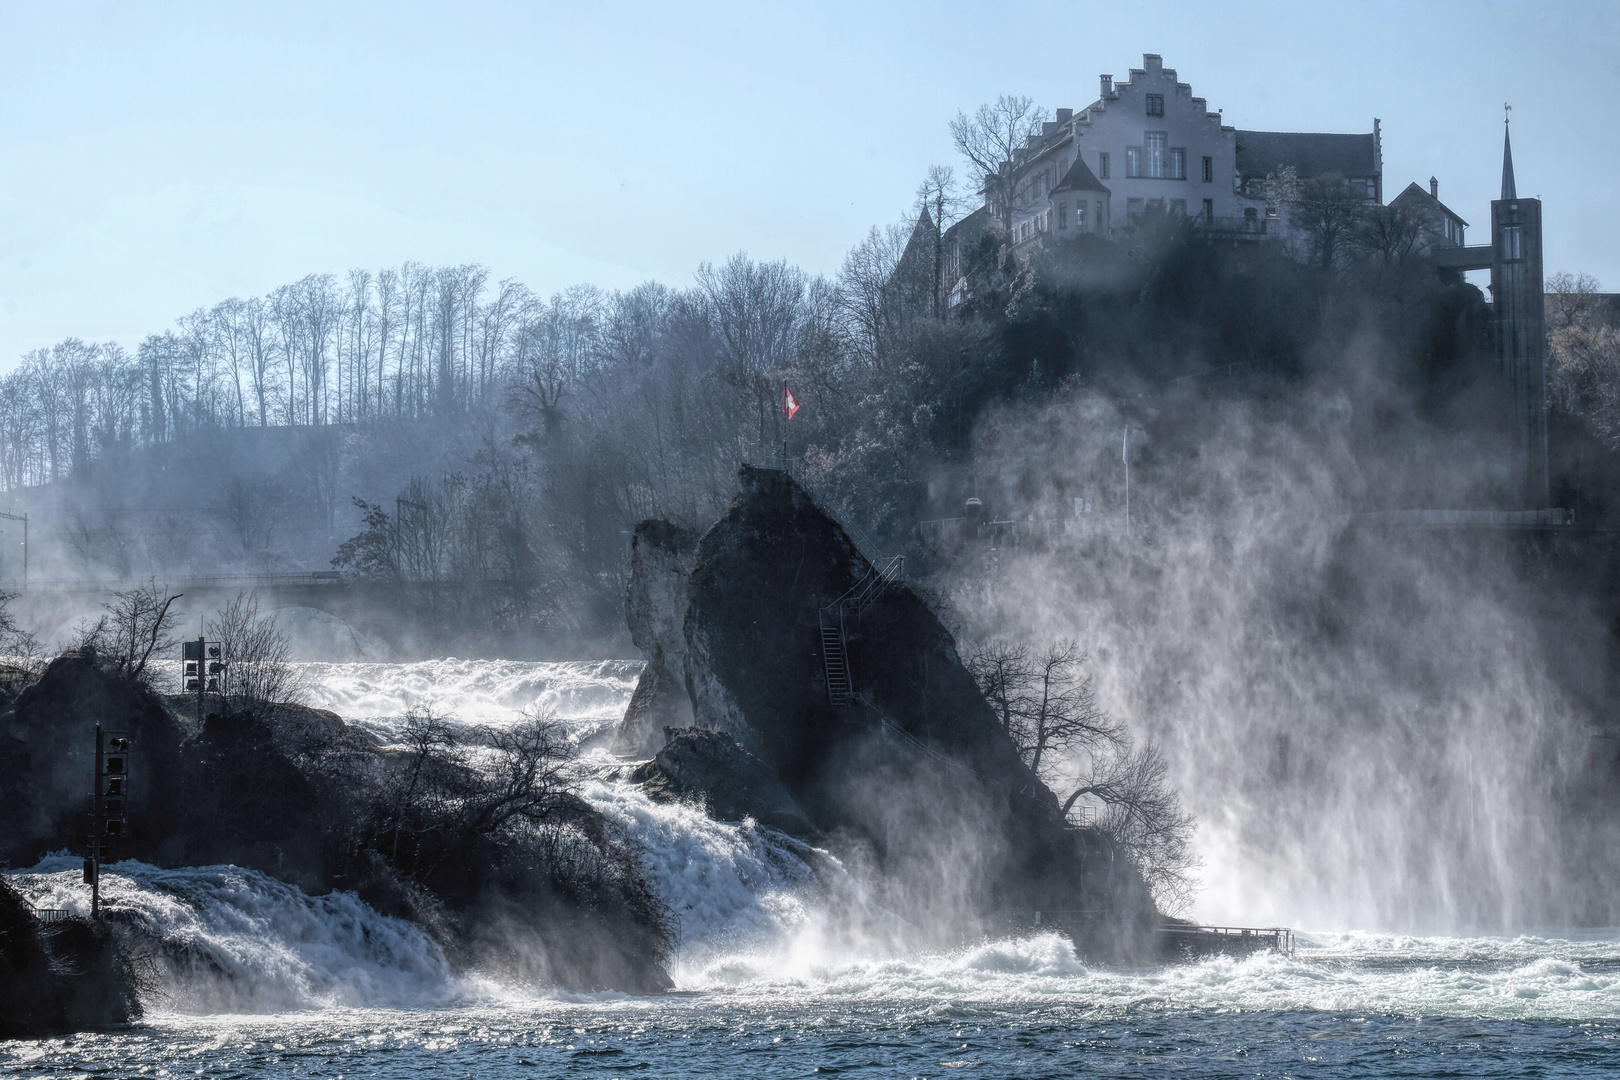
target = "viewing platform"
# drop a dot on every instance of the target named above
(1183, 940)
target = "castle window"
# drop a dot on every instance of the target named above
(1155, 104)
(1099, 215)
(1209, 209)
(1063, 215)
(1154, 141)
(1178, 164)
(1133, 161)
(1209, 170)
(1102, 166)
(1133, 209)
(1079, 215)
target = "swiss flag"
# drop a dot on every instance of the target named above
(790, 404)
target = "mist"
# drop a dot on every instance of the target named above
(1377, 727)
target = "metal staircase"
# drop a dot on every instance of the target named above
(834, 620)
(835, 658)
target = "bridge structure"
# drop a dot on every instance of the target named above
(368, 604)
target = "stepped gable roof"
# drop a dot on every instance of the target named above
(1415, 191)
(1311, 154)
(1080, 178)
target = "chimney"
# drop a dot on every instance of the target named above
(1434, 188)
(1064, 115)
(1107, 86)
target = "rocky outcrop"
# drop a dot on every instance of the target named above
(57, 978)
(293, 792)
(660, 563)
(47, 756)
(734, 784)
(919, 782)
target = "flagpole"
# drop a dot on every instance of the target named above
(1125, 456)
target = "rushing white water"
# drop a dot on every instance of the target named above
(235, 940)
(759, 929)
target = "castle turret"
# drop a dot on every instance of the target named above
(1520, 326)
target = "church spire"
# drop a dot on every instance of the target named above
(1508, 191)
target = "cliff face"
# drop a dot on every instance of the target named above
(922, 784)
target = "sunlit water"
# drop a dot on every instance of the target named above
(783, 972)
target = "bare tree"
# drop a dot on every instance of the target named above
(1387, 234)
(259, 673)
(1329, 210)
(1003, 672)
(1047, 704)
(939, 199)
(1061, 712)
(138, 623)
(1143, 814)
(870, 297)
(1571, 299)
(1583, 346)
(991, 141)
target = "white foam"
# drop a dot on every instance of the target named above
(590, 695)
(755, 922)
(235, 940)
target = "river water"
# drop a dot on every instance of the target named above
(786, 973)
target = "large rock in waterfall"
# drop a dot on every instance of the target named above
(660, 562)
(734, 784)
(917, 779)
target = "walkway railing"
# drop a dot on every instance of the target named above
(1279, 939)
(51, 915)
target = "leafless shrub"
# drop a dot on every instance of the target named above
(1048, 707)
(1143, 814)
(138, 624)
(258, 673)
(1047, 704)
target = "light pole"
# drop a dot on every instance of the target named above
(1125, 456)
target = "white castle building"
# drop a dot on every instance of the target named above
(1148, 142)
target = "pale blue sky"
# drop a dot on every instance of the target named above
(158, 157)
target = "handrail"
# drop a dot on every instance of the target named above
(50, 915)
(863, 592)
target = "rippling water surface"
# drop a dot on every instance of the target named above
(786, 973)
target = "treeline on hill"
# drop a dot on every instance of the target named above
(427, 426)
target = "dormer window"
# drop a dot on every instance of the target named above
(1155, 104)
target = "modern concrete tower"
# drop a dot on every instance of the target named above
(1518, 304)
